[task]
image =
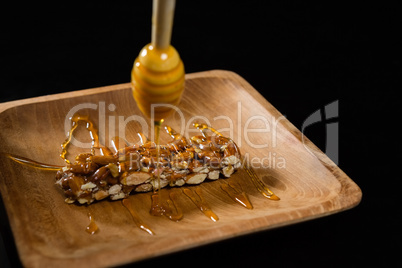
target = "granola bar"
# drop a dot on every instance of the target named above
(137, 168)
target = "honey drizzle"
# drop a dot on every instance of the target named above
(157, 126)
(105, 151)
(237, 194)
(92, 228)
(74, 124)
(261, 187)
(143, 138)
(117, 143)
(31, 163)
(156, 190)
(169, 208)
(204, 127)
(172, 133)
(127, 204)
(198, 200)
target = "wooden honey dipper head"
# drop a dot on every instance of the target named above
(157, 77)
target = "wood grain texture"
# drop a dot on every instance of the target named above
(49, 232)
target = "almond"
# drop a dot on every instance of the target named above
(134, 178)
(195, 178)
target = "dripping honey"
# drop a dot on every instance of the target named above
(168, 208)
(157, 208)
(157, 127)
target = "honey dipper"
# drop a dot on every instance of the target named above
(157, 77)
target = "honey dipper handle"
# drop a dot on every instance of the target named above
(162, 22)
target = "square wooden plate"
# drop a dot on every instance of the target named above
(49, 232)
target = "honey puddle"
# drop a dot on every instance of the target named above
(92, 228)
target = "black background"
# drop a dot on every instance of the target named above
(301, 57)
